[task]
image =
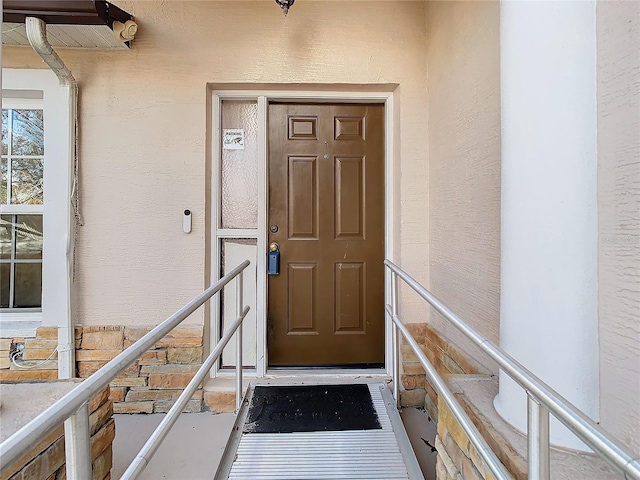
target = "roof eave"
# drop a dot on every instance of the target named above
(65, 12)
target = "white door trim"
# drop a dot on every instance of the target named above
(263, 96)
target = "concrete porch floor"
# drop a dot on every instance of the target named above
(194, 447)
(191, 451)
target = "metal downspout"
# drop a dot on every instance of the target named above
(76, 427)
(37, 34)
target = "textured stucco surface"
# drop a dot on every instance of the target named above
(143, 132)
(464, 162)
(618, 28)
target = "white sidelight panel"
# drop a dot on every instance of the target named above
(239, 164)
(234, 252)
(549, 285)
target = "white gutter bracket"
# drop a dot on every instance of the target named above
(37, 35)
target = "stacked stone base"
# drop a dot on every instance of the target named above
(457, 458)
(443, 355)
(46, 460)
(150, 385)
(220, 402)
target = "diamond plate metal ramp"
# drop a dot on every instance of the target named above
(354, 454)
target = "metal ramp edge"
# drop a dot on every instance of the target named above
(356, 454)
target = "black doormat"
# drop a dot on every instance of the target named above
(317, 408)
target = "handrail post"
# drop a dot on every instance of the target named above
(537, 439)
(395, 349)
(78, 444)
(239, 308)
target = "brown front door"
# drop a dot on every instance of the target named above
(326, 213)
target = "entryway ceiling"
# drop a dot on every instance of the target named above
(70, 23)
(65, 36)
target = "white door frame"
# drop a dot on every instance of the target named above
(382, 94)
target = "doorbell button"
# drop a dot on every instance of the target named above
(186, 221)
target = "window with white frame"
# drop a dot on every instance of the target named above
(22, 199)
(36, 178)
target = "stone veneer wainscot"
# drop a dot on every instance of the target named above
(149, 385)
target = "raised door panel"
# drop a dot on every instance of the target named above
(349, 128)
(350, 298)
(349, 198)
(303, 128)
(301, 292)
(302, 198)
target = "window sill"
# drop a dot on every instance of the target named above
(19, 328)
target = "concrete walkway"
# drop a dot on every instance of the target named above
(193, 449)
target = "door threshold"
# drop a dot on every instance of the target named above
(323, 376)
(320, 371)
(310, 377)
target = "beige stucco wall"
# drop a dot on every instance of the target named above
(143, 131)
(618, 28)
(463, 58)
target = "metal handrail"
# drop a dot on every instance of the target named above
(46, 422)
(542, 398)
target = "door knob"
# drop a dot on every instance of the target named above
(274, 247)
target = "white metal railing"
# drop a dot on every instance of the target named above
(74, 405)
(542, 399)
